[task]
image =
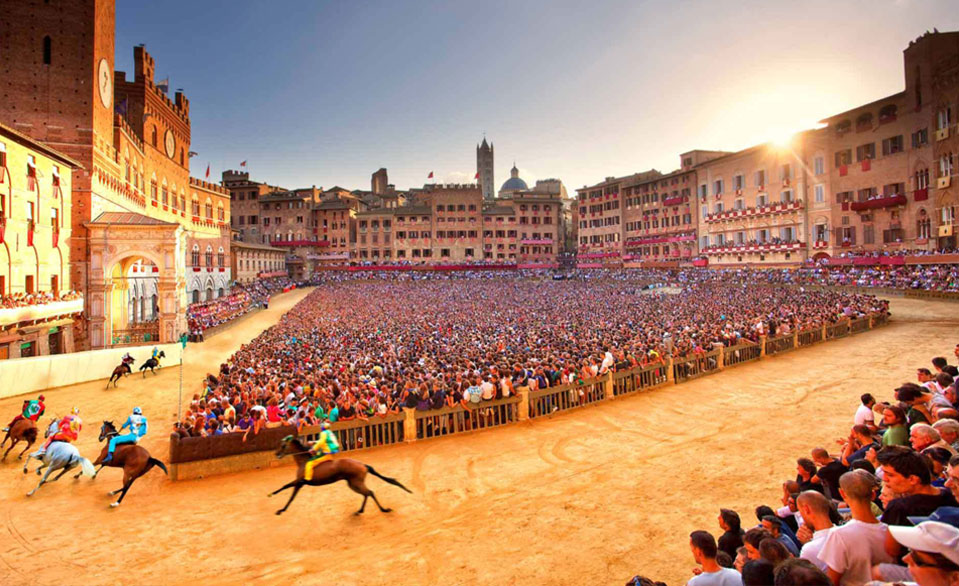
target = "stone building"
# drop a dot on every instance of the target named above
(35, 186)
(484, 169)
(245, 204)
(132, 232)
(256, 261)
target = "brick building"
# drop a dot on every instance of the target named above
(256, 261)
(132, 234)
(245, 204)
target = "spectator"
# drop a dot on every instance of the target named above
(933, 559)
(914, 396)
(851, 550)
(864, 414)
(923, 436)
(816, 511)
(830, 469)
(907, 474)
(897, 433)
(806, 471)
(752, 539)
(859, 442)
(758, 573)
(704, 551)
(773, 551)
(949, 432)
(800, 572)
(773, 525)
(952, 477)
(732, 538)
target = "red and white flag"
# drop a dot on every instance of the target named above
(207, 170)
(476, 176)
(430, 176)
(243, 164)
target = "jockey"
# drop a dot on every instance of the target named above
(32, 410)
(127, 359)
(324, 447)
(154, 355)
(67, 431)
(138, 428)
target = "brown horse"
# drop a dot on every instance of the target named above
(22, 430)
(135, 461)
(120, 371)
(352, 471)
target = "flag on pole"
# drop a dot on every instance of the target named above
(207, 170)
(430, 176)
(164, 85)
(476, 176)
(192, 154)
(243, 164)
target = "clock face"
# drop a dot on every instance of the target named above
(105, 83)
(170, 144)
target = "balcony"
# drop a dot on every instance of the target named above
(819, 244)
(536, 241)
(675, 201)
(774, 208)
(879, 203)
(44, 312)
(752, 248)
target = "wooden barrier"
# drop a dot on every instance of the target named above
(194, 457)
(741, 353)
(780, 344)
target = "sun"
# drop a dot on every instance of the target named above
(782, 138)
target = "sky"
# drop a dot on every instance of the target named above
(325, 93)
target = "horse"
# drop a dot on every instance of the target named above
(61, 456)
(152, 363)
(22, 430)
(352, 471)
(135, 461)
(122, 370)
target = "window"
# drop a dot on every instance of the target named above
(843, 157)
(892, 145)
(944, 118)
(946, 165)
(920, 138)
(54, 219)
(761, 200)
(868, 234)
(786, 196)
(208, 209)
(47, 50)
(209, 256)
(786, 172)
(153, 190)
(195, 207)
(165, 195)
(923, 225)
(820, 193)
(948, 215)
(220, 258)
(718, 187)
(866, 151)
(703, 190)
(761, 178)
(818, 165)
(922, 179)
(195, 256)
(821, 233)
(739, 182)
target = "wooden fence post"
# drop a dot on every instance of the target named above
(523, 405)
(721, 358)
(795, 339)
(409, 425)
(608, 385)
(669, 370)
(824, 332)
(762, 346)
(871, 323)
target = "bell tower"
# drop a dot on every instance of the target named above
(484, 168)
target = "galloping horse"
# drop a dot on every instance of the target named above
(352, 471)
(122, 370)
(135, 461)
(22, 430)
(61, 456)
(152, 363)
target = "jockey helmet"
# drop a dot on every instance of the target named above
(325, 425)
(137, 411)
(41, 398)
(76, 411)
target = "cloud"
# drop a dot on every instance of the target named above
(458, 177)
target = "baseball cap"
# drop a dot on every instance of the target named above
(929, 537)
(947, 515)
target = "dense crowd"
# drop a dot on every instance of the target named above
(880, 508)
(364, 348)
(922, 277)
(40, 298)
(241, 300)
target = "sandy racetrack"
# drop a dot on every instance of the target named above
(593, 496)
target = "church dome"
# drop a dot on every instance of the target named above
(514, 183)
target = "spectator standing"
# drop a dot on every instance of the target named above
(817, 524)
(908, 475)
(732, 538)
(711, 573)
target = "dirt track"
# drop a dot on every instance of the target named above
(589, 497)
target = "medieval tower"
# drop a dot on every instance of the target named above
(484, 168)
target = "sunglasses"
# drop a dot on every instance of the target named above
(940, 561)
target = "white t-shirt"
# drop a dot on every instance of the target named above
(853, 549)
(810, 551)
(724, 577)
(865, 415)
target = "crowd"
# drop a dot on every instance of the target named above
(40, 298)
(241, 300)
(922, 277)
(364, 348)
(880, 508)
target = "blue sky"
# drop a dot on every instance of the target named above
(324, 93)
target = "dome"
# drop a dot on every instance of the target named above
(514, 184)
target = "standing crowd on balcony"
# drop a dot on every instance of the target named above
(40, 298)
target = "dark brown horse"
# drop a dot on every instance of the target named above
(152, 363)
(122, 370)
(352, 471)
(23, 430)
(135, 461)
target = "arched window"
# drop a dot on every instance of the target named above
(220, 213)
(195, 256)
(208, 209)
(209, 256)
(153, 136)
(153, 190)
(195, 206)
(923, 225)
(47, 50)
(165, 195)
(182, 203)
(220, 257)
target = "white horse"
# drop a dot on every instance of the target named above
(61, 456)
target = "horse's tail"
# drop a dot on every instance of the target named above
(392, 481)
(154, 462)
